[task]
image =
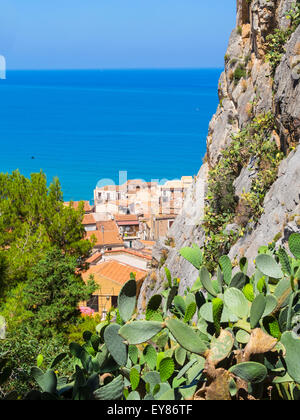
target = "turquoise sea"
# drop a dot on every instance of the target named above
(83, 126)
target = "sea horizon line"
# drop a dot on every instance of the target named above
(123, 69)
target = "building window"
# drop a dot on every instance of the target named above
(114, 301)
(93, 303)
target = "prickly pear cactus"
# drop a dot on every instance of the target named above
(231, 337)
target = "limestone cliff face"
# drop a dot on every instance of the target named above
(247, 88)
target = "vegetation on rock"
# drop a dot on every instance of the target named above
(253, 146)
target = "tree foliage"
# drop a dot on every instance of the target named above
(33, 219)
(54, 291)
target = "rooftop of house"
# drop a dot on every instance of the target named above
(126, 220)
(107, 234)
(94, 258)
(113, 271)
(125, 217)
(139, 254)
(88, 219)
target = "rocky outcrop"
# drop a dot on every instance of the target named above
(247, 88)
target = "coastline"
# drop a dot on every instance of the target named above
(72, 130)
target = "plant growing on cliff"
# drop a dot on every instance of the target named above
(253, 144)
(239, 73)
(277, 40)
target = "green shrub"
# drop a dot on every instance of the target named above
(239, 73)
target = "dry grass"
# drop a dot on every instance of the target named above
(249, 109)
(297, 48)
(244, 85)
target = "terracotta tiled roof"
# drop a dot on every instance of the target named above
(131, 252)
(108, 236)
(125, 217)
(126, 220)
(107, 225)
(94, 258)
(88, 219)
(114, 271)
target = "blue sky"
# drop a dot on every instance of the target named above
(78, 34)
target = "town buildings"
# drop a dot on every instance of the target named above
(123, 225)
